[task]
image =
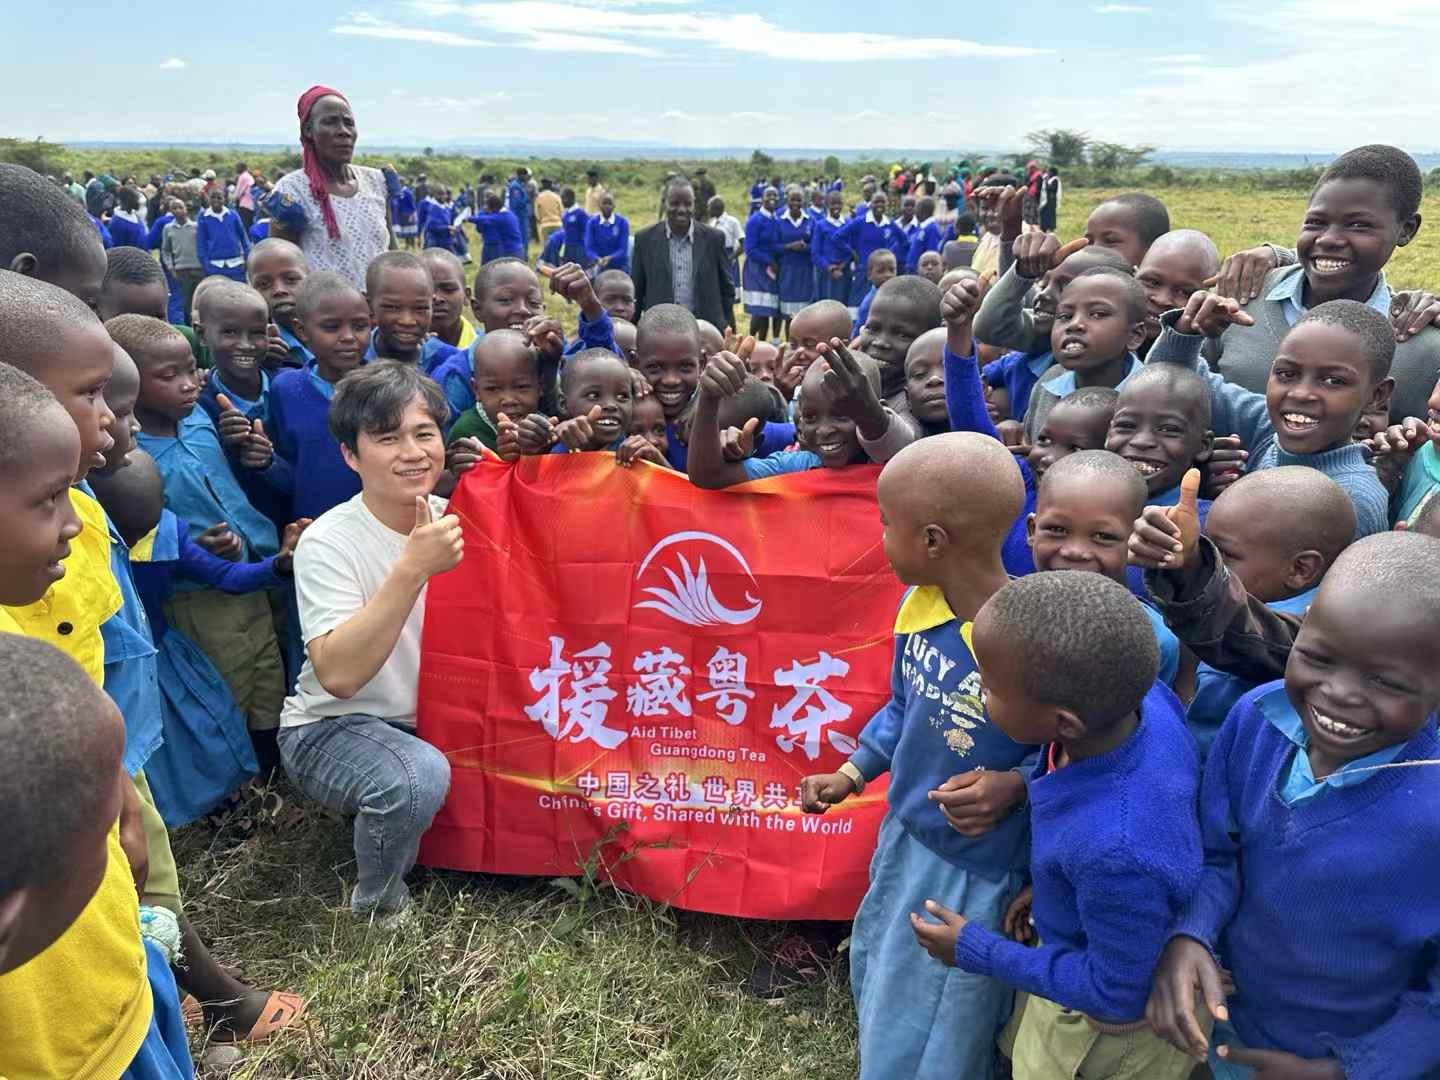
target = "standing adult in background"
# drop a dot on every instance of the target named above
(1050, 199)
(548, 210)
(517, 200)
(680, 261)
(336, 211)
(704, 187)
(593, 190)
(245, 194)
(74, 190)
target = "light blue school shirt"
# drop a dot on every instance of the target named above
(1289, 291)
(1298, 782)
(1064, 383)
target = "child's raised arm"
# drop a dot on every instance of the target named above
(723, 377)
(964, 395)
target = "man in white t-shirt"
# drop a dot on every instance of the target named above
(347, 734)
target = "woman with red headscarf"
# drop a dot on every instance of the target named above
(336, 211)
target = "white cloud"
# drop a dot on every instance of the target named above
(1121, 9)
(620, 26)
(174, 63)
(757, 117)
(869, 114)
(459, 105)
(675, 114)
(1177, 59)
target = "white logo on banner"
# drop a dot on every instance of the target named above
(690, 598)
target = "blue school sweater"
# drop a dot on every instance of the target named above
(934, 727)
(517, 199)
(965, 402)
(260, 231)
(927, 237)
(610, 238)
(1325, 908)
(550, 254)
(439, 230)
(826, 246)
(1115, 856)
(220, 237)
(423, 212)
(866, 235)
(862, 313)
(100, 228)
(128, 231)
(268, 489)
(762, 238)
(573, 224)
(1017, 373)
(201, 488)
(433, 353)
(1217, 692)
(1235, 410)
(153, 234)
(402, 207)
(300, 429)
(501, 233)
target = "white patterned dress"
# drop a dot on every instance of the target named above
(363, 231)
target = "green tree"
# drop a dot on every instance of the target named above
(832, 165)
(1112, 159)
(35, 154)
(761, 162)
(1060, 147)
(429, 151)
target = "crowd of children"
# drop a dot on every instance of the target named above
(1169, 814)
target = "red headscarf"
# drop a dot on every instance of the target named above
(313, 172)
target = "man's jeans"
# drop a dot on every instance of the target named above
(390, 779)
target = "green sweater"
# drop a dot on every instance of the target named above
(474, 424)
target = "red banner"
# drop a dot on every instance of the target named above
(630, 674)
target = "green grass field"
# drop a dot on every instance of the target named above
(496, 980)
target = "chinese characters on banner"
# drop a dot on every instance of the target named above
(632, 673)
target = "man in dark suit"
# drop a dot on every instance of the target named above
(680, 261)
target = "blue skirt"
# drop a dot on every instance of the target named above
(760, 295)
(919, 1018)
(797, 282)
(207, 752)
(835, 288)
(165, 1053)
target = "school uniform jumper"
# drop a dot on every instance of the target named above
(918, 1018)
(827, 250)
(573, 224)
(222, 244)
(761, 294)
(128, 230)
(608, 238)
(403, 213)
(929, 236)
(501, 233)
(1115, 857)
(865, 235)
(797, 272)
(1235, 410)
(1322, 897)
(300, 431)
(517, 201)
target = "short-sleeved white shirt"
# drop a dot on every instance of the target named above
(340, 564)
(361, 217)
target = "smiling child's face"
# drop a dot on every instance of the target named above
(337, 332)
(1347, 235)
(647, 419)
(670, 363)
(234, 330)
(37, 520)
(512, 299)
(1111, 225)
(1083, 523)
(831, 437)
(925, 379)
(276, 274)
(1160, 431)
(401, 310)
(1319, 386)
(507, 377)
(603, 383)
(1068, 428)
(1092, 324)
(894, 322)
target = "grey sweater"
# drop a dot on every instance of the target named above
(1235, 410)
(1003, 319)
(1243, 354)
(177, 246)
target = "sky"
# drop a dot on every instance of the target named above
(1306, 75)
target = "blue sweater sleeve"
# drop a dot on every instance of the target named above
(1213, 904)
(774, 438)
(880, 737)
(847, 234)
(590, 238)
(1234, 410)
(1404, 1047)
(233, 577)
(598, 333)
(965, 397)
(1123, 915)
(202, 245)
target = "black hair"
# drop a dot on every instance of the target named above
(318, 286)
(1367, 324)
(500, 337)
(226, 291)
(494, 198)
(1136, 304)
(130, 266)
(676, 182)
(756, 400)
(135, 333)
(445, 255)
(965, 223)
(1000, 179)
(488, 272)
(611, 277)
(391, 260)
(1301, 507)
(667, 319)
(128, 198)
(371, 400)
(1177, 381)
(1089, 465)
(24, 400)
(567, 195)
(1088, 645)
(715, 201)
(1152, 220)
(38, 218)
(132, 497)
(877, 256)
(261, 248)
(1391, 168)
(56, 783)
(921, 293)
(1393, 567)
(34, 313)
(1093, 397)
(587, 356)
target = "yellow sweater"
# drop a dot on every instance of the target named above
(82, 1007)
